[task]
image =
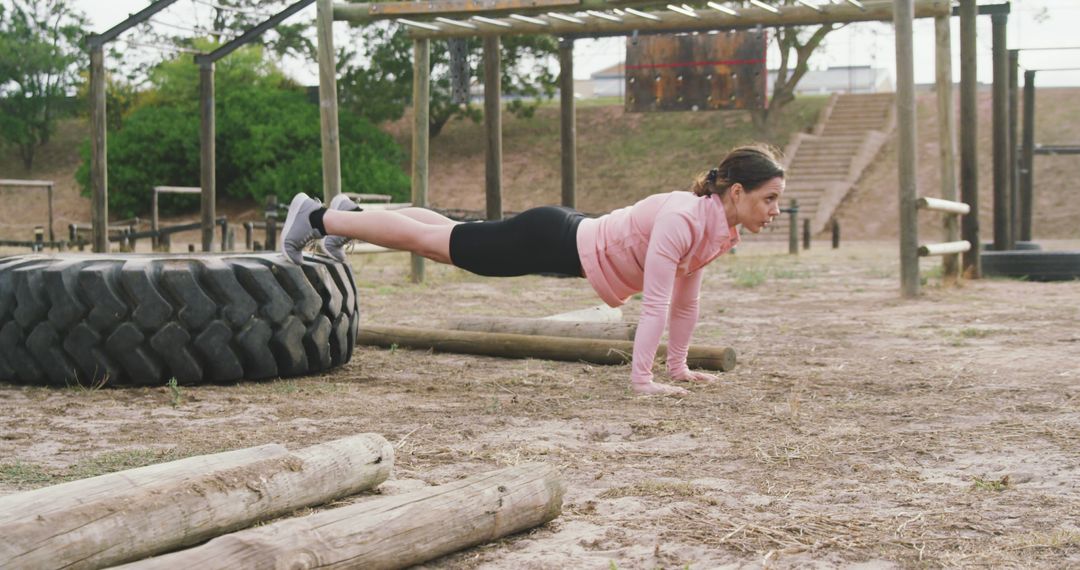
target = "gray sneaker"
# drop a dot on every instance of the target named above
(334, 246)
(297, 232)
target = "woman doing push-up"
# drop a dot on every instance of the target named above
(657, 247)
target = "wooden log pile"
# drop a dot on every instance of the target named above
(138, 516)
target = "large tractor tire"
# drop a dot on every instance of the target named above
(140, 320)
(1032, 265)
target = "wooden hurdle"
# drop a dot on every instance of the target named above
(949, 249)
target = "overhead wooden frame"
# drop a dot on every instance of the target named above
(598, 18)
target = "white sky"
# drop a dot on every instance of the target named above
(856, 44)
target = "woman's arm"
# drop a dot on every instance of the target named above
(670, 240)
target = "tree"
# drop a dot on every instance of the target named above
(381, 88)
(40, 59)
(789, 39)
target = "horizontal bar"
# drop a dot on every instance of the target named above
(445, 8)
(250, 35)
(27, 183)
(177, 189)
(1056, 149)
(988, 9)
(706, 20)
(947, 248)
(939, 205)
(98, 40)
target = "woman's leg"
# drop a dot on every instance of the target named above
(416, 230)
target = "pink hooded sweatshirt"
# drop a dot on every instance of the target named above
(658, 247)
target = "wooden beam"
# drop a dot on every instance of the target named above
(544, 327)
(328, 104)
(598, 351)
(1000, 125)
(946, 121)
(906, 148)
(99, 178)
(567, 123)
(1027, 163)
(969, 119)
(133, 520)
(1013, 146)
(950, 248)
(421, 135)
(493, 126)
(397, 531)
(207, 154)
(672, 22)
(947, 206)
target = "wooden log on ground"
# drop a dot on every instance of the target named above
(597, 314)
(391, 532)
(173, 505)
(544, 327)
(598, 351)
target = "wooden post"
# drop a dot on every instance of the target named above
(969, 157)
(328, 102)
(793, 227)
(835, 234)
(52, 235)
(154, 223)
(493, 126)
(207, 155)
(903, 15)
(1014, 154)
(598, 351)
(544, 327)
(421, 137)
(99, 179)
(946, 137)
(1000, 125)
(390, 532)
(806, 233)
(93, 526)
(567, 122)
(1028, 165)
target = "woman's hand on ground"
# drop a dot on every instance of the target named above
(695, 376)
(657, 389)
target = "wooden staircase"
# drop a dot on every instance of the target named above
(823, 166)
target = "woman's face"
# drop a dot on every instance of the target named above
(756, 209)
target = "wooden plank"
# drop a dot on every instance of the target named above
(939, 205)
(99, 199)
(598, 351)
(328, 101)
(26, 183)
(949, 248)
(421, 132)
(150, 515)
(443, 7)
(178, 189)
(544, 327)
(946, 136)
(207, 154)
(493, 127)
(670, 22)
(906, 157)
(567, 123)
(969, 120)
(397, 531)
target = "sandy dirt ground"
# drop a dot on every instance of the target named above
(859, 429)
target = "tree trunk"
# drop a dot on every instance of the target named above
(89, 524)
(391, 532)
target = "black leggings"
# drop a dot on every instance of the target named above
(538, 240)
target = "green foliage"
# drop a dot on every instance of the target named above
(381, 88)
(40, 56)
(268, 141)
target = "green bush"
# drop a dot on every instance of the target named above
(268, 143)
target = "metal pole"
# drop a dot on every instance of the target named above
(1027, 172)
(903, 16)
(207, 156)
(493, 126)
(1014, 155)
(969, 158)
(99, 179)
(328, 102)
(567, 130)
(946, 137)
(1000, 124)
(421, 134)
